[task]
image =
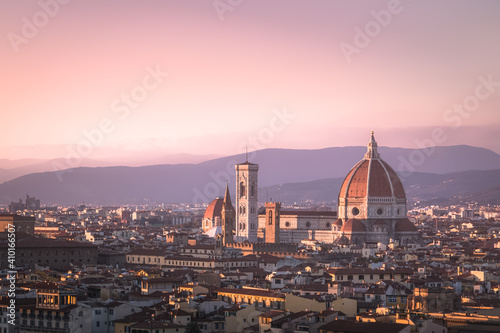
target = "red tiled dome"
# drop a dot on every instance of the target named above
(372, 178)
(338, 223)
(353, 225)
(405, 225)
(214, 209)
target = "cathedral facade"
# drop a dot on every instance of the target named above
(371, 208)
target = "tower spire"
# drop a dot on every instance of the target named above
(372, 151)
(227, 197)
(227, 217)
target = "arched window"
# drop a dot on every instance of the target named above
(270, 217)
(242, 189)
(252, 192)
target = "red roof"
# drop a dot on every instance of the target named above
(405, 225)
(353, 225)
(214, 209)
(372, 178)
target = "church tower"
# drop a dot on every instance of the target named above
(246, 201)
(273, 222)
(227, 218)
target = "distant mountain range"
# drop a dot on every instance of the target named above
(440, 172)
(11, 169)
(452, 188)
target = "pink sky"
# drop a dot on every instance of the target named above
(227, 78)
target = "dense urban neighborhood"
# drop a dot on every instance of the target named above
(371, 265)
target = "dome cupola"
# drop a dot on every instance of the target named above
(372, 189)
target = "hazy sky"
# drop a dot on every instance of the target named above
(261, 73)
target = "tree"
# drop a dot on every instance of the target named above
(193, 327)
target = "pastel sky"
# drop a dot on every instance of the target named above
(229, 78)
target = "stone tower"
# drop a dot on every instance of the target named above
(227, 218)
(273, 222)
(246, 201)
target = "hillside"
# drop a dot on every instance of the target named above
(298, 170)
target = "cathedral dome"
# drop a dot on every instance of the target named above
(372, 189)
(353, 225)
(214, 209)
(405, 225)
(372, 178)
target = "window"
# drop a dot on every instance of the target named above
(371, 276)
(392, 299)
(349, 277)
(97, 323)
(111, 311)
(97, 312)
(242, 189)
(270, 217)
(361, 277)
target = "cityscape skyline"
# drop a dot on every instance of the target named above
(204, 80)
(259, 166)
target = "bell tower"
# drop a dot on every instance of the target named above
(273, 222)
(227, 217)
(246, 201)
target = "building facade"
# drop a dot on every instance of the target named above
(20, 223)
(298, 225)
